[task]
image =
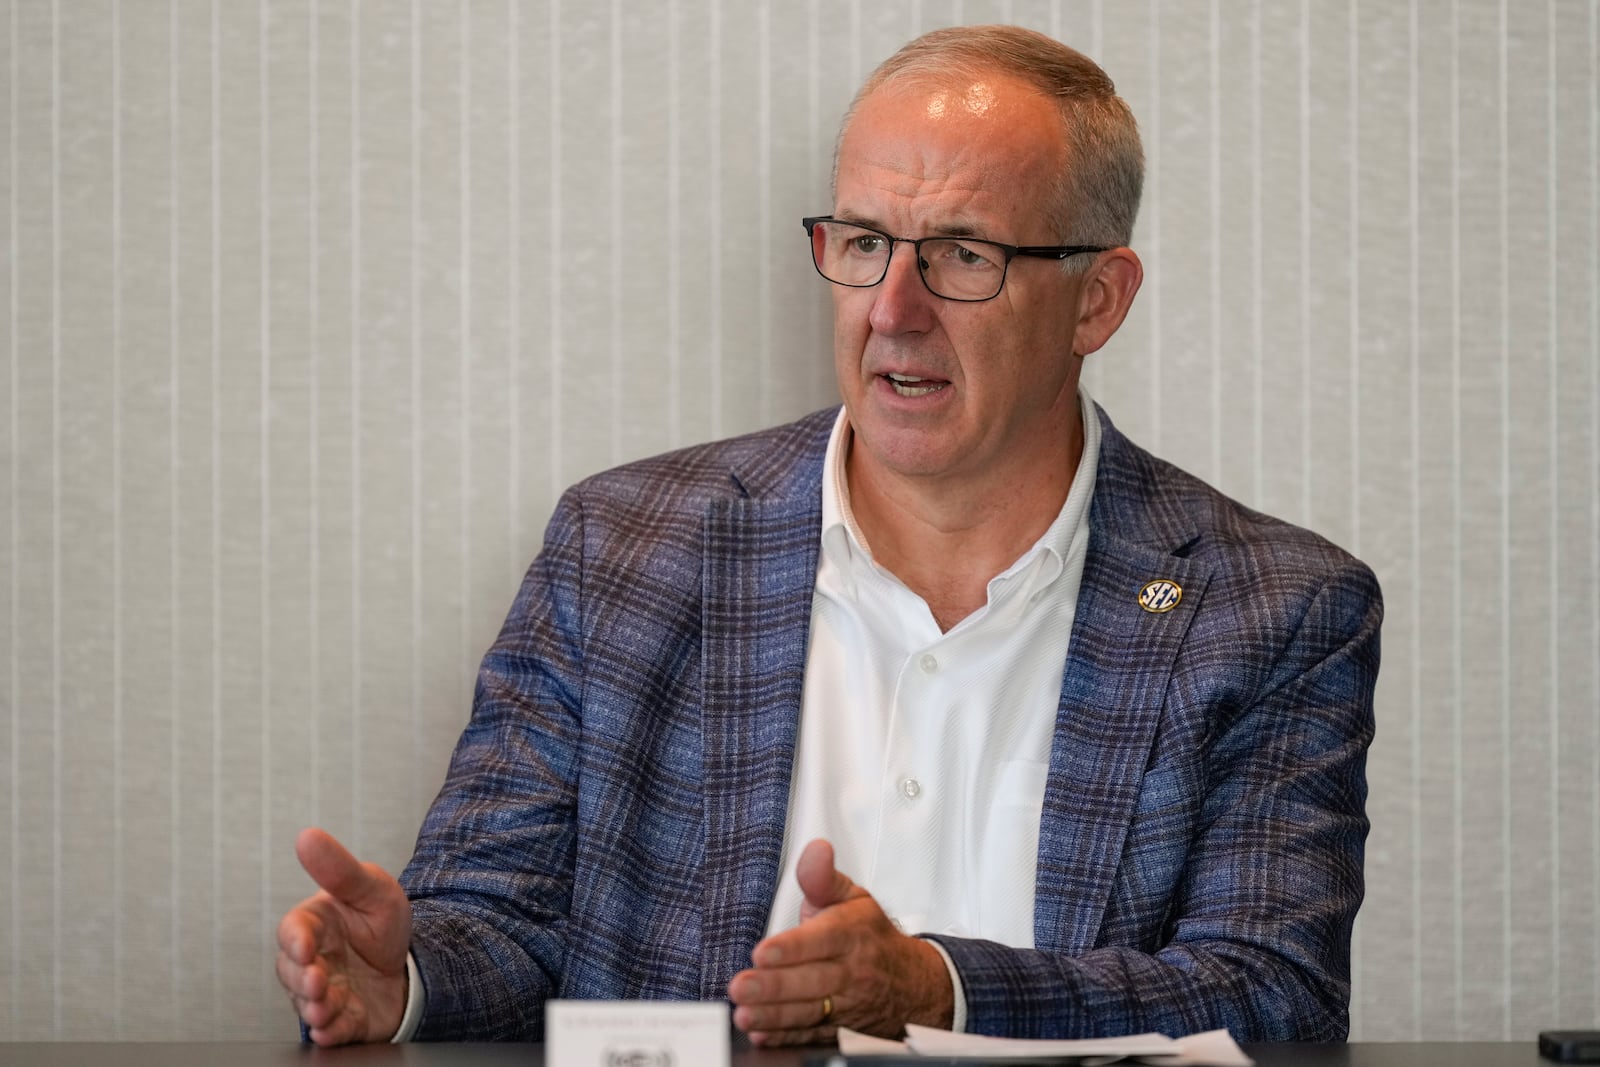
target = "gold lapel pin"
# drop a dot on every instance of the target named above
(1160, 596)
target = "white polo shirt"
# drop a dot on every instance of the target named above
(922, 754)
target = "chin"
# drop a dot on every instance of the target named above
(910, 455)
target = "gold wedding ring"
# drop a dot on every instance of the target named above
(827, 1008)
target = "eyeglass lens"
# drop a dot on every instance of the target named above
(952, 267)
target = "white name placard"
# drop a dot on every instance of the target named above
(635, 1033)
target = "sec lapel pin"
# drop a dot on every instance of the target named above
(1161, 595)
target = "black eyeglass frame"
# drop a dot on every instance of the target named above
(1057, 252)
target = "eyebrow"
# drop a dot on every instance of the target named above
(858, 220)
(955, 229)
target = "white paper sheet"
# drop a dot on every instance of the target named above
(1214, 1048)
(927, 1041)
(852, 1043)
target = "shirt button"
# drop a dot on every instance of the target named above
(911, 788)
(929, 663)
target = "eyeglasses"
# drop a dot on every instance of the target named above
(955, 268)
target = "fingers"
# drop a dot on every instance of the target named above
(303, 983)
(322, 995)
(332, 867)
(787, 986)
(824, 887)
(815, 1035)
(301, 930)
(342, 950)
(305, 970)
(786, 1006)
(845, 955)
(319, 1000)
(828, 935)
(337, 1019)
(811, 1020)
(821, 882)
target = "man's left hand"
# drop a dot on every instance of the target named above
(845, 955)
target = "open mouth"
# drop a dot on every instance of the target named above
(908, 385)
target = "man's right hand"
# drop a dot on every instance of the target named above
(342, 951)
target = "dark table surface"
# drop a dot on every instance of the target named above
(284, 1054)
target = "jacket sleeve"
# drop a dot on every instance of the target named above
(491, 879)
(1257, 934)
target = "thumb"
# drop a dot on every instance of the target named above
(334, 869)
(822, 883)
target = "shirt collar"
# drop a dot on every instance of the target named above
(841, 537)
(844, 543)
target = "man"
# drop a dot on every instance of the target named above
(959, 661)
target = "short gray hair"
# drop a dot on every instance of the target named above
(1097, 198)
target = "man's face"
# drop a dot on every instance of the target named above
(938, 389)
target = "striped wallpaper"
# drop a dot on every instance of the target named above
(308, 309)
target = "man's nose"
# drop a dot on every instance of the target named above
(903, 303)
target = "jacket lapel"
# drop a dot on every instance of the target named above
(760, 569)
(1113, 689)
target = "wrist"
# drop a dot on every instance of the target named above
(387, 996)
(938, 1008)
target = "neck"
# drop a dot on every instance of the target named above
(947, 537)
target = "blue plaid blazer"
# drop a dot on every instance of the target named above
(612, 819)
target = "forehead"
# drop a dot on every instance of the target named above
(973, 152)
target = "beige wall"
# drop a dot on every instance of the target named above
(289, 376)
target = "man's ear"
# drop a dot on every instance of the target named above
(1106, 295)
